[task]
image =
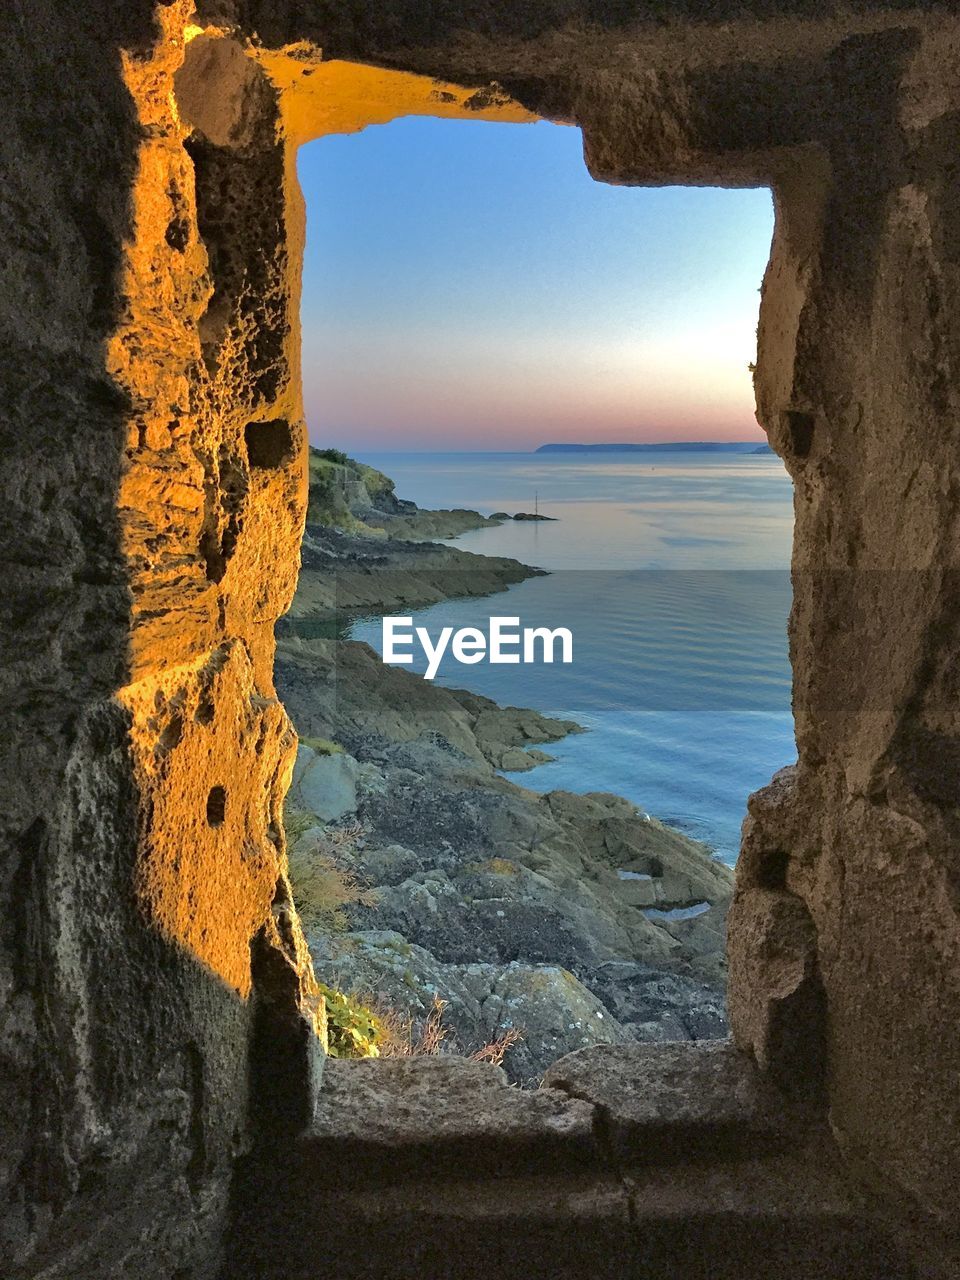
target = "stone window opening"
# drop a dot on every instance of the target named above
(552, 996)
(246, 197)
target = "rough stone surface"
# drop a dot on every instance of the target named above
(777, 998)
(505, 904)
(153, 498)
(426, 1102)
(740, 1222)
(434, 1168)
(553, 1011)
(675, 1100)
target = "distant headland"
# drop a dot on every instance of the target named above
(666, 446)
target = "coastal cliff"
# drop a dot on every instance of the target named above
(563, 919)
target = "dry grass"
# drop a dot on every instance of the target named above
(322, 886)
(364, 1025)
(399, 1036)
(496, 1050)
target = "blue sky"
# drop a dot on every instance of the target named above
(467, 285)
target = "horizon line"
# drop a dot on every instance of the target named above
(574, 444)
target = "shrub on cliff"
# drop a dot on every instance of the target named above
(352, 1028)
(360, 1027)
(322, 885)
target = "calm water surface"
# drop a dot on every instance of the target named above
(671, 570)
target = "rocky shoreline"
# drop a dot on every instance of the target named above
(575, 919)
(366, 551)
(346, 575)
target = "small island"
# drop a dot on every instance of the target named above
(521, 515)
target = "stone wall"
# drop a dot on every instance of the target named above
(154, 491)
(157, 1005)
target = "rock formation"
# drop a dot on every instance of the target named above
(509, 906)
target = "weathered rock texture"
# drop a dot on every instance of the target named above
(434, 1167)
(153, 495)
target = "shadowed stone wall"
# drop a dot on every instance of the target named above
(153, 500)
(156, 1000)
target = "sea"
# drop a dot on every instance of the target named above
(671, 571)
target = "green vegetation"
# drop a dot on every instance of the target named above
(360, 1027)
(332, 477)
(296, 822)
(322, 746)
(352, 1028)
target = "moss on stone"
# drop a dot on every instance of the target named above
(322, 746)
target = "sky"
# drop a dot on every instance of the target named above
(468, 285)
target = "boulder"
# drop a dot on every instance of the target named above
(657, 1005)
(325, 785)
(409, 1104)
(554, 1012)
